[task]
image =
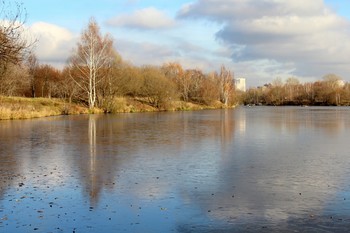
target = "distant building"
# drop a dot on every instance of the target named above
(340, 83)
(240, 84)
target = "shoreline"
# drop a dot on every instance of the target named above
(20, 108)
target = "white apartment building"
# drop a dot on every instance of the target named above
(240, 84)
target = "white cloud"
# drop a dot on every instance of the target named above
(189, 55)
(54, 44)
(147, 18)
(303, 38)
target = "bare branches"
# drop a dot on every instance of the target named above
(94, 55)
(13, 43)
(226, 85)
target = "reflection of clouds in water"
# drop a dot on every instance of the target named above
(228, 168)
(31, 152)
(265, 169)
(151, 163)
(276, 175)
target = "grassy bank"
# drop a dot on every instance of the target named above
(26, 108)
(129, 105)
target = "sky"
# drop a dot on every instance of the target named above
(260, 40)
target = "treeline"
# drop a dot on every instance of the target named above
(330, 91)
(159, 87)
(96, 75)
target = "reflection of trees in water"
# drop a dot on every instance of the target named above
(170, 131)
(331, 120)
(93, 166)
(43, 147)
(282, 180)
(8, 163)
(119, 138)
(101, 147)
(174, 146)
(229, 119)
(96, 169)
(114, 141)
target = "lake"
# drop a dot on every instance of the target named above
(249, 169)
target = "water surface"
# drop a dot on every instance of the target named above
(259, 169)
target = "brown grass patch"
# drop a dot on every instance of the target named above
(25, 108)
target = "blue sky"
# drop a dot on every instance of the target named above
(260, 40)
(340, 6)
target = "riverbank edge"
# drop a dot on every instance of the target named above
(16, 108)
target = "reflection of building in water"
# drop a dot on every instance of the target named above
(240, 84)
(242, 122)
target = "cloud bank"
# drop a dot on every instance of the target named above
(259, 40)
(55, 43)
(306, 38)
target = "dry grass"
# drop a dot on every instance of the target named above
(129, 105)
(25, 108)
(189, 106)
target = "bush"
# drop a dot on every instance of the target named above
(159, 91)
(115, 105)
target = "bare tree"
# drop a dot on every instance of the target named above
(68, 90)
(14, 46)
(175, 72)
(46, 79)
(209, 90)
(13, 43)
(32, 63)
(195, 78)
(226, 85)
(335, 85)
(92, 58)
(291, 87)
(14, 81)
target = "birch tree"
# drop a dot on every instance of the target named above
(226, 85)
(93, 56)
